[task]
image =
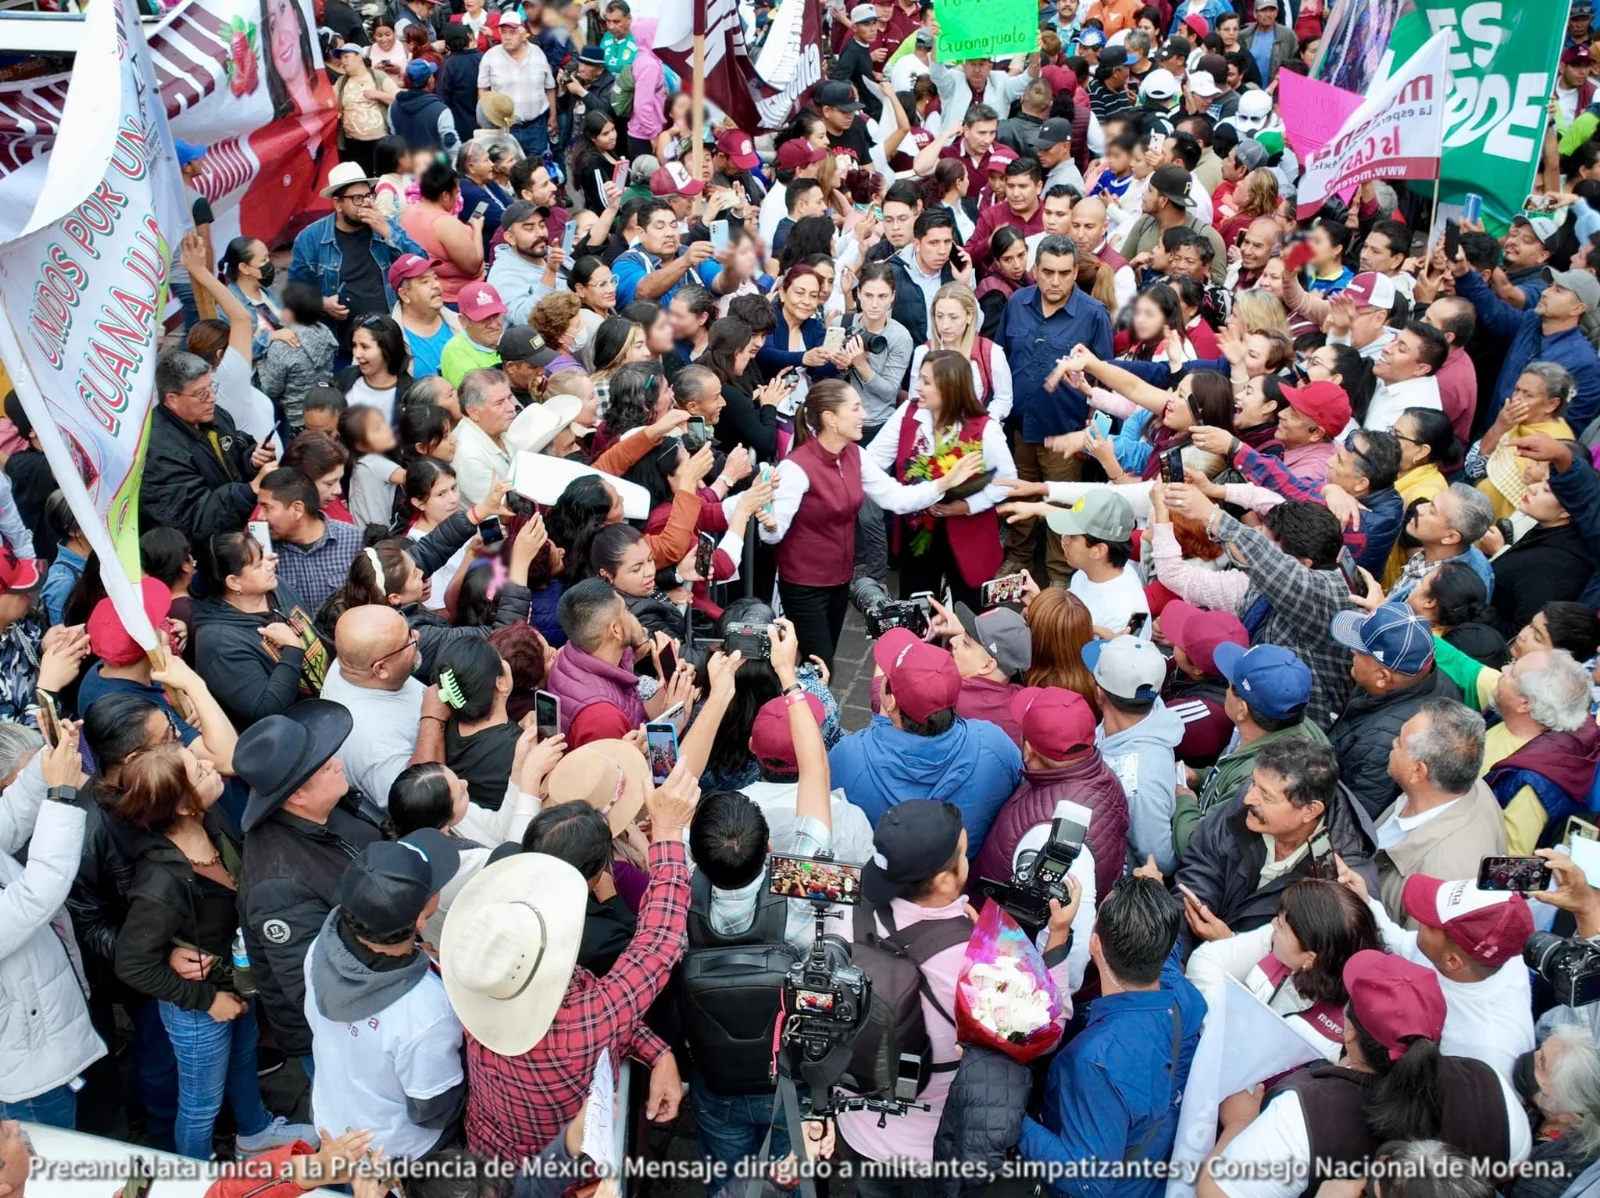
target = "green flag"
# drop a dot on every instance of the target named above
(1499, 93)
(987, 29)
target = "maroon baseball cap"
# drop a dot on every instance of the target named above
(674, 179)
(410, 266)
(736, 144)
(923, 679)
(1058, 723)
(1198, 632)
(479, 301)
(1000, 157)
(18, 573)
(771, 743)
(1060, 79)
(110, 641)
(1394, 999)
(1326, 405)
(1488, 925)
(798, 152)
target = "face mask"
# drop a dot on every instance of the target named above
(268, 273)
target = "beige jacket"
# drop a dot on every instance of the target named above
(1449, 846)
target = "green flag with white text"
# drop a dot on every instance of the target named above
(1503, 56)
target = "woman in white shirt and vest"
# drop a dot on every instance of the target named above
(820, 487)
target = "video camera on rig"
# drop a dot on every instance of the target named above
(1570, 965)
(883, 613)
(1040, 874)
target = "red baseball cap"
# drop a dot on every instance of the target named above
(1000, 157)
(1326, 405)
(923, 679)
(18, 573)
(479, 301)
(1058, 723)
(798, 152)
(1198, 632)
(1060, 79)
(771, 742)
(1488, 925)
(1394, 999)
(410, 266)
(736, 144)
(1197, 25)
(109, 640)
(674, 179)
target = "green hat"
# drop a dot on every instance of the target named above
(1103, 515)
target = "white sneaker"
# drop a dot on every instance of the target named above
(275, 1135)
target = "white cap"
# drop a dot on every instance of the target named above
(1203, 85)
(1159, 84)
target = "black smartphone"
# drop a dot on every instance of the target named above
(1322, 863)
(1194, 409)
(1513, 873)
(1136, 623)
(1452, 240)
(546, 714)
(704, 550)
(490, 531)
(1172, 465)
(661, 747)
(668, 658)
(814, 878)
(695, 433)
(1350, 572)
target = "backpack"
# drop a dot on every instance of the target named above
(894, 1025)
(621, 98)
(731, 993)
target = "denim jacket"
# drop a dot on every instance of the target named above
(317, 258)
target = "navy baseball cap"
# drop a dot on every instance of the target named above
(387, 887)
(913, 841)
(1270, 678)
(1394, 636)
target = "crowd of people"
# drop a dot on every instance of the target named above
(561, 426)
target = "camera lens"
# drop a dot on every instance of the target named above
(1540, 948)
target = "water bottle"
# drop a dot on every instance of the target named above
(244, 977)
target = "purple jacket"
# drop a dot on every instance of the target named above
(1089, 782)
(581, 680)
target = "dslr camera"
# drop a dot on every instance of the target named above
(883, 613)
(1570, 965)
(1039, 872)
(750, 641)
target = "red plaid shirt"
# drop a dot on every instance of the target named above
(518, 1105)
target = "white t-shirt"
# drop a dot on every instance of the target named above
(361, 393)
(371, 492)
(1278, 1135)
(384, 735)
(366, 1070)
(440, 578)
(240, 398)
(1491, 1020)
(905, 72)
(1111, 604)
(1397, 827)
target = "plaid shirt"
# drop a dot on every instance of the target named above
(517, 1105)
(1292, 606)
(1270, 472)
(317, 570)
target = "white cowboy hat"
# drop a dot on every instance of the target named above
(344, 175)
(537, 424)
(508, 949)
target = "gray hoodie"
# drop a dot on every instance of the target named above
(287, 372)
(1142, 759)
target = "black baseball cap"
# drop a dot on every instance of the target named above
(520, 210)
(1173, 182)
(520, 343)
(1052, 133)
(836, 93)
(913, 841)
(386, 888)
(1111, 59)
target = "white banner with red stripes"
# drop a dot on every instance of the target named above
(242, 77)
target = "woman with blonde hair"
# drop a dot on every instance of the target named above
(957, 319)
(957, 541)
(1254, 196)
(1259, 311)
(1059, 625)
(616, 342)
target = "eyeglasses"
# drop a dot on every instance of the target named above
(411, 643)
(207, 392)
(357, 196)
(1399, 436)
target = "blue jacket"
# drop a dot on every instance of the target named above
(1529, 344)
(1110, 1090)
(1380, 528)
(317, 258)
(1578, 489)
(1034, 344)
(774, 354)
(974, 765)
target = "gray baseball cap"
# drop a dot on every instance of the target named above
(1126, 666)
(1580, 282)
(1003, 633)
(1103, 515)
(1250, 153)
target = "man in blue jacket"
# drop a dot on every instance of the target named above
(918, 748)
(1548, 332)
(1039, 326)
(1114, 1091)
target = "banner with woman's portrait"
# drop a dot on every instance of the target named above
(242, 77)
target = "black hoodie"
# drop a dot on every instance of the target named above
(250, 677)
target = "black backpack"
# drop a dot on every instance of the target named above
(731, 995)
(894, 1024)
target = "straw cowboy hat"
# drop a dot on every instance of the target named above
(508, 949)
(498, 109)
(609, 775)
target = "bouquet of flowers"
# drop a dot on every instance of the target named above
(1005, 997)
(936, 463)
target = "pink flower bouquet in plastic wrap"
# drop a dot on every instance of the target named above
(1005, 997)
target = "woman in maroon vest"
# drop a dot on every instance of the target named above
(820, 488)
(957, 542)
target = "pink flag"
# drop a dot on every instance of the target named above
(1313, 112)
